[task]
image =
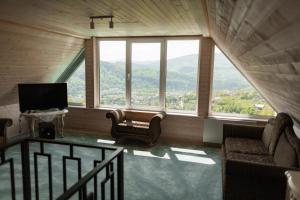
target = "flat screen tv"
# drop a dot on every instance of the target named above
(42, 96)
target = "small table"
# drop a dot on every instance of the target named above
(293, 185)
(54, 116)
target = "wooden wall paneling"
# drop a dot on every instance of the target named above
(91, 73)
(30, 56)
(263, 43)
(206, 62)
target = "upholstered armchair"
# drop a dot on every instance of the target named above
(127, 124)
(4, 123)
(256, 158)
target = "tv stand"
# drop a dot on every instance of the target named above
(52, 115)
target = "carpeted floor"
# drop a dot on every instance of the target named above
(163, 172)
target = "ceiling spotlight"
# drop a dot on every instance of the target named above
(92, 25)
(111, 23)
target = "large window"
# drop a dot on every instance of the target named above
(232, 94)
(112, 73)
(76, 86)
(149, 74)
(145, 70)
(182, 73)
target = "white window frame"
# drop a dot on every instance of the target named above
(129, 73)
(198, 74)
(163, 70)
(98, 72)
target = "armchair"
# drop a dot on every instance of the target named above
(4, 123)
(255, 159)
(126, 124)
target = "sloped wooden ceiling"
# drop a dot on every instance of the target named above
(30, 55)
(131, 17)
(262, 38)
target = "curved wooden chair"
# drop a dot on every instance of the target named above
(127, 124)
(4, 123)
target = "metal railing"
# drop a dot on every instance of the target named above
(106, 164)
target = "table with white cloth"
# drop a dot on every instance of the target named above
(54, 116)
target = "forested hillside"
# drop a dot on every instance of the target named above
(231, 92)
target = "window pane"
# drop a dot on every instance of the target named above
(182, 70)
(76, 86)
(145, 75)
(112, 73)
(232, 93)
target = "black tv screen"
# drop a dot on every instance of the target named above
(42, 96)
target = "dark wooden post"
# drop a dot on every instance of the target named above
(120, 163)
(26, 170)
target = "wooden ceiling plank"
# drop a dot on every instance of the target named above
(161, 16)
(171, 15)
(197, 12)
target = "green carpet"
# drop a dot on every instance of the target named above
(163, 172)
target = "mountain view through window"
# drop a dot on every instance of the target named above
(145, 76)
(232, 93)
(76, 86)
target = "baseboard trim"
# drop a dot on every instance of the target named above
(211, 144)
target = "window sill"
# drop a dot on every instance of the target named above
(237, 118)
(76, 106)
(143, 111)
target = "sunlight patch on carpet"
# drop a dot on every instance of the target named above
(106, 141)
(193, 151)
(149, 154)
(195, 159)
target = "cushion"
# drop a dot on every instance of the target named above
(284, 154)
(262, 159)
(245, 145)
(121, 115)
(294, 141)
(138, 124)
(282, 120)
(267, 133)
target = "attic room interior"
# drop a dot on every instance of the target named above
(150, 99)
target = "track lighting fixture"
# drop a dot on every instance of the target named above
(111, 23)
(92, 25)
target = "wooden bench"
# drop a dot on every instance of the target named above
(136, 125)
(4, 123)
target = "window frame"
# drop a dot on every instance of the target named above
(233, 115)
(97, 87)
(163, 71)
(173, 111)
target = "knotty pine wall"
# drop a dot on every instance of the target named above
(29, 55)
(262, 39)
(174, 127)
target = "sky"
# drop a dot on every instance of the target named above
(113, 51)
(217, 50)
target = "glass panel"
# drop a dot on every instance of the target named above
(76, 86)
(112, 73)
(182, 70)
(145, 75)
(232, 93)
